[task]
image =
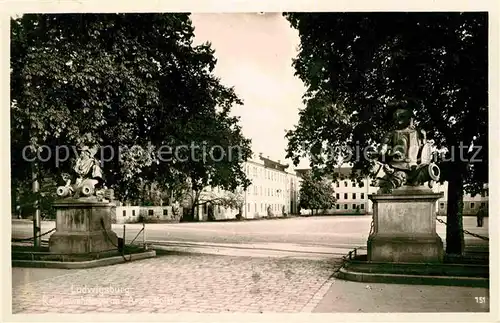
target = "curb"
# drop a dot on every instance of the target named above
(83, 264)
(318, 296)
(339, 249)
(413, 279)
(243, 252)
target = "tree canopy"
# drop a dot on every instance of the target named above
(128, 80)
(316, 194)
(353, 64)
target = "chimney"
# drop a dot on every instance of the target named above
(279, 161)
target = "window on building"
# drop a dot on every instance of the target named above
(150, 212)
(362, 196)
(165, 211)
(124, 212)
(133, 212)
(362, 206)
(354, 206)
(471, 205)
(441, 205)
(345, 206)
(483, 204)
(483, 194)
(218, 208)
(248, 207)
(353, 196)
(353, 183)
(337, 196)
(345, 183)
(338, 206)
(345, 196)
(338, 184)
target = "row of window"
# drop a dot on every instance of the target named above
(268, 191)
(346, 196)
(346, 184)
(264, 206)
(472, 205)
(150, 212)
(257, 172)
(354, 206)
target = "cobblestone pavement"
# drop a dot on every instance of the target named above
(181, 283)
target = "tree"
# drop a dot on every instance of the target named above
(132, 83)
(353, 64)
(316, 194)
(211, 196)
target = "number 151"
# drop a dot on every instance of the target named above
(481, 300)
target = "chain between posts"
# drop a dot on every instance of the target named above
(117, 247)
(31, 238)
(349, 256)
(465, 231)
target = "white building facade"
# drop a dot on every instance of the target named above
(352, 198)
(273, 191)
(472, 203)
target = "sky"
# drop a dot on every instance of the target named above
(254, 54)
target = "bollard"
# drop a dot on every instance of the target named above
(123, 238)
(144, 236)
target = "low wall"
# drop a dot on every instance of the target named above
(134, 214)
(335, 212)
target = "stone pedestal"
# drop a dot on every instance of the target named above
(79, 228)
(404, 227)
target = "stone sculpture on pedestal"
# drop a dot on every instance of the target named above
(83, 214)
(405, 154)
(404, 228)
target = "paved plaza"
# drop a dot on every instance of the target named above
(283, 266)
(185, 283)
(221, 284)
(327, 231)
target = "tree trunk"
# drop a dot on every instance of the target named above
(194, 205)
(454, 233)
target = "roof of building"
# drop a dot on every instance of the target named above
(343, 172)
(269, 163)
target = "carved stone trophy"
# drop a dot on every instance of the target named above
(84, 212)
(404, 209)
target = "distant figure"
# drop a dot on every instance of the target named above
(269, 211)
(210, 213)
(481, 213)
